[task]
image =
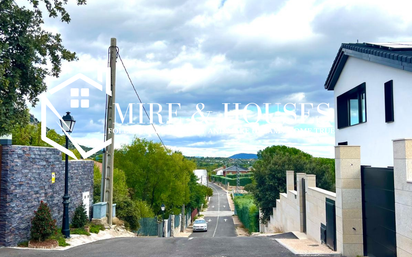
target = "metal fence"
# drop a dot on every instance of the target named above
(177, 221)
(148, 227)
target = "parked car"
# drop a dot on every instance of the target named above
(200, 225)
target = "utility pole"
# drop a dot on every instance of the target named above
(109, 153)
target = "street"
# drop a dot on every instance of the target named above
(219, 240)
(218, 216)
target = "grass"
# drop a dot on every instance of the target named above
(79, 231)
(96, 228)
(60, 238)
(23, 244)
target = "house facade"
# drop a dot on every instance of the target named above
(372, 92)
(373, 154)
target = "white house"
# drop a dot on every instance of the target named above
(372, 84)
(201, 176)
(372, 88)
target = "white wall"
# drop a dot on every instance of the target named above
(375, 136)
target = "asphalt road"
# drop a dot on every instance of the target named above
(220, 240)
(171, 247)
(218, 216)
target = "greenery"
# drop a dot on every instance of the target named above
(79, 231)
(97, 182)
(42, 224)
(157, 176)
(28, 54)
(247, 212)
(80, 217)
(95, 228)
(23, 244)
(270, 174)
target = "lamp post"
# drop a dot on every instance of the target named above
(67, 124)
(163, 222)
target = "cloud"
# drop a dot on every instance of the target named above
(215, 52)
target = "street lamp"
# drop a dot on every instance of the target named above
(163, 207)
(67, 124)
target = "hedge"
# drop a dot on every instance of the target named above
(244, 180)
(247, 212)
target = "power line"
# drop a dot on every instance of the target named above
(137, 94)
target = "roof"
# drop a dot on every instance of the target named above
(234, 168)
(396, 55)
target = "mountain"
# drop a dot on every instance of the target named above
(243, 156)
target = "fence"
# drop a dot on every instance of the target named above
(247, 212)
(232, 179)
(148, 227)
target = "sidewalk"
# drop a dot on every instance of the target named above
(299, 244)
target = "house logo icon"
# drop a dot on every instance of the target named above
(79, 99)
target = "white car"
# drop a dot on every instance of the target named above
(200, 225)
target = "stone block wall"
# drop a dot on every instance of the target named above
(403, 195)
(289, 212)
(26, 179)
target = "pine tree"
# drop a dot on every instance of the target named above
(42, 224)
(80, 217)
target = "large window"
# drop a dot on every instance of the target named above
(352, 107)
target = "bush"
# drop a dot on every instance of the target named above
(60, 238)
(79, 231)
(80, 217)
(247, 212)
(94, 228)
(42, 224)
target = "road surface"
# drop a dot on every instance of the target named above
(218, 216)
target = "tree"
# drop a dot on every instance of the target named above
(270, 174)
(156, 175)
(42, 224)
(26, 51)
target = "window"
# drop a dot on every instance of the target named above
(389, 113)
(352, 107)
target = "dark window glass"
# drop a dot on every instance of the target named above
(389, 111)
(352, 107)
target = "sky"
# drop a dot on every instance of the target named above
(268, 59)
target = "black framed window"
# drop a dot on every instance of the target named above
(389, 111)
(352, 107)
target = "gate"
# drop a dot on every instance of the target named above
(330, 224)
(303, 205)
(378, 211)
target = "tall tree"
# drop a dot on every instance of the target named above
(26, 53)
(270, 174)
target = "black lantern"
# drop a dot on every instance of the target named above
(68, 123)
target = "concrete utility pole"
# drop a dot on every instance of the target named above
(109, 153)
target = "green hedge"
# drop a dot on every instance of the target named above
(244, 180)
(247, 212)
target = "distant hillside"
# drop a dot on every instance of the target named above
(243, 156)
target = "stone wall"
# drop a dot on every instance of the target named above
(289, 213)
(26, 179)
(402, 153)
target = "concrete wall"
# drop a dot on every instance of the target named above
(316, 211)
(288, 214)
(403, 196)
(26, 179)
(377, 153)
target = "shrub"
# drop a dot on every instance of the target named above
(94, 228)
(79, 231)
(80, 217)
(247, 212)
(60, 238)
(42, 224)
